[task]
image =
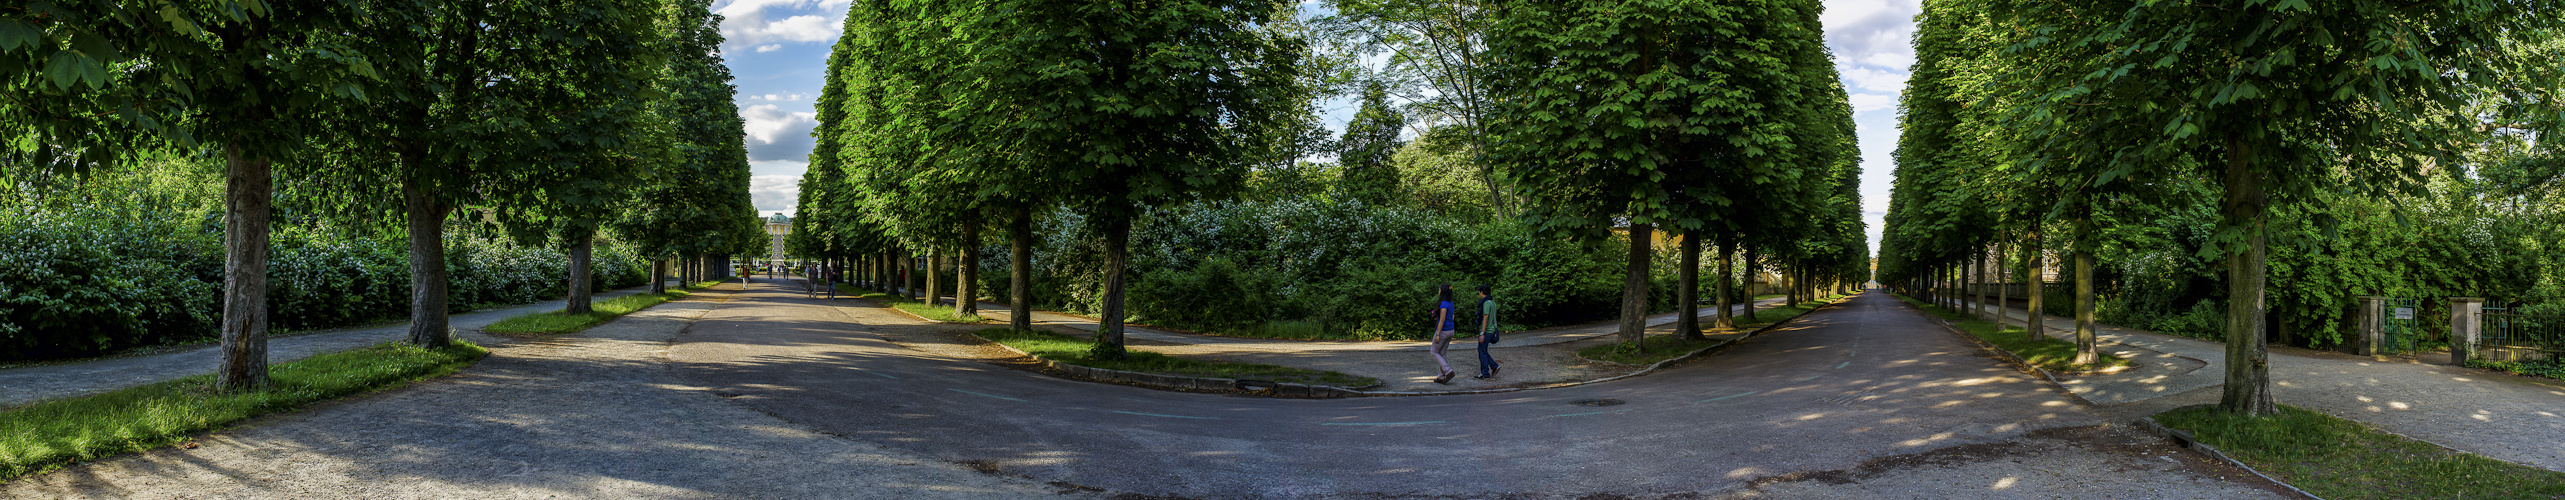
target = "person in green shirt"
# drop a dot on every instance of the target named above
(1487, 366)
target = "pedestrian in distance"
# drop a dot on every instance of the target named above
(1487, 366)
(1443, 330)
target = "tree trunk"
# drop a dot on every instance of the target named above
(1977, 282)
(428, 281)
(248, 190)
(1688, 292)
(2003, 286)
(658, 275)
(1108, 335)
(966, 286)
(581, 241)
(2248, 380)
(2084, 336)
(1634, 285)
(1727, 276)
(1019, 269)
(934, 277)
(1752, 273)
(2035, 316)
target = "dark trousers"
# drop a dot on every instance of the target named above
(1486, 363)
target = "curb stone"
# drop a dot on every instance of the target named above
(2185, 440)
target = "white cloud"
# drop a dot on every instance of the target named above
(1876, 80)
(775, 192)
(1863, 103)
(764, 23)
(776, 134)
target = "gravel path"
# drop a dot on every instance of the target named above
(598, 415)
(2515, 418)
(30, 384)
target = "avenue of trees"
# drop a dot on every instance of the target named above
(1164, 162)
(351, 137)
(2230, 173)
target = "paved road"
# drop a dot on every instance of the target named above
(1839, 391)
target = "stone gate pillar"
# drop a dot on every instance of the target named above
(2465, 322)
(2371, 311)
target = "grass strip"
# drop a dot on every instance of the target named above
(932, 312)
(50, 435)
(2342, 460)
(559, 322)
(699, 285)
(2052, 354)
(2550, 368)
(1076, 351)
(1656, 348)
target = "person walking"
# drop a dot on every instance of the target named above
(1487, 366)
(1443, 331)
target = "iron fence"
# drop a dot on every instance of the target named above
(2505, 326)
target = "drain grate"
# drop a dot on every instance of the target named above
(1597, 402)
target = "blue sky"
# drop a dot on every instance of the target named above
(778, 52)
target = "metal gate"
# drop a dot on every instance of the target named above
(2505, 327)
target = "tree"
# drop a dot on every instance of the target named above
(1436, 60)
(1136, 105)
(1365, 151)
(245, 80)
(1638, 111)
(695, 203)
(2278, 101)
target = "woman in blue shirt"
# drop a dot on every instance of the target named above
(1443, 331)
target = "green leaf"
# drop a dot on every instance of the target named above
(64, 68)
(15, 33)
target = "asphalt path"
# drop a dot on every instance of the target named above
(1845, 385)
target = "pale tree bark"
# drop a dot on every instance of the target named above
(1977, 283)
(1634, 285)
(581, 242)
(2003, 286)
(1688, 292)
(1727, 276)
(248, 191)
(1019, 295)
(1117, 235)
(2248, 378)
(2084, 336)
(934, 277)
(1752, 272)
(428, 282)
(2035, 317)
(966, 286)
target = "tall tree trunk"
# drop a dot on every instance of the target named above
(658, 275)
(1019, 269)
(248, 190)
(1977, 283)
(2003, 286)
(2248, 380)
(1753, 272)
(934, 277)
(580, 283)
(1634, 285)
(2084, 336)
(2035, 316)
(1108, 335)
(428, 281)
(1727, 276)
(966, 286)
(1689, 291)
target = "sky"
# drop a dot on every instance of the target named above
(778, 53)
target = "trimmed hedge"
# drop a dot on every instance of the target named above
(81, 282)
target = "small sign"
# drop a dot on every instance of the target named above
(2404, 313)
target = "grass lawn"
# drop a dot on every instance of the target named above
(2050, 354)
(1663, 347)
(933, 312)
(2341, 460)
(1073, 350)
(557, 322)
(46, 436)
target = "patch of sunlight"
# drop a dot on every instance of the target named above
(2005, 483)
(2462, 379)
(2007, 427)
(1401, 470)
(1744, 472)
(2364, 399)
(2374, 409)
(2481, 417)
(1812, 416)
(1950, 403)
(2053, 403)
(1990, 394)
(2400, 405)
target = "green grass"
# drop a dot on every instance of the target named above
(699, 285)
(1663, 347)
(2050, 354)
(1076, 351)
(932, 312)
(49, 435)
(557, 322)
(2343, 460)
